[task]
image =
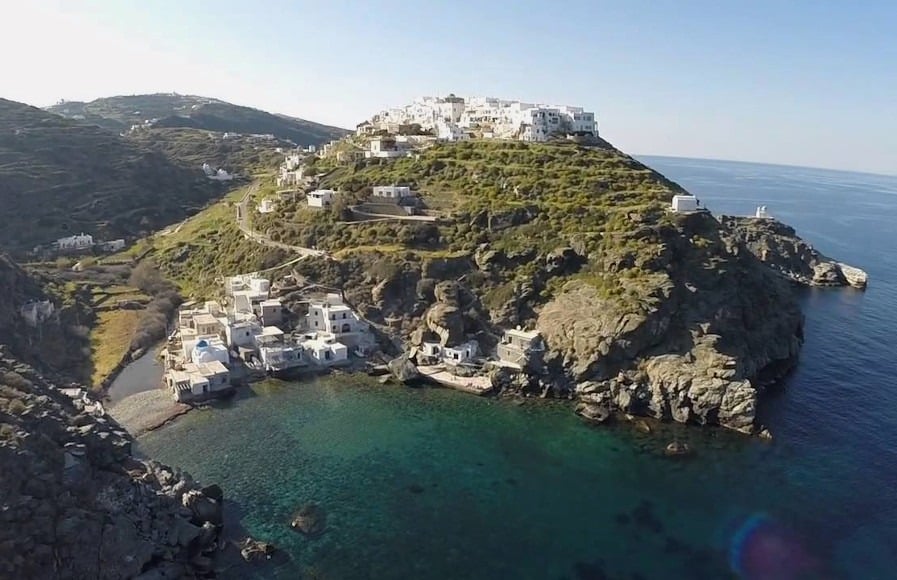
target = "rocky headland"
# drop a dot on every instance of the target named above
(74, 502)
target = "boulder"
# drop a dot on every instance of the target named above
(252, 550)
(310, 520)
(677, 449)
(403, 369)
(594, 412)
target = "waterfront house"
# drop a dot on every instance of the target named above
(242, 333)
(684, 203)
(324, 349)
(209, 349)
(450, 355)
(520, 348)
(320, 198)
(194, 382)
(333, 316)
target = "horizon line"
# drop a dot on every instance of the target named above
(787, 165)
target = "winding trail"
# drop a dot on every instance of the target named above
(243, 209)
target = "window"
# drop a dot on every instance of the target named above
(327, 355)
(344, 315)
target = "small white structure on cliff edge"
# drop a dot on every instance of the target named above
(320, 198)
(685, 203)
(81, 241)
(761, 212)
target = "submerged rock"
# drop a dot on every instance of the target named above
(677, 449)
(311, 520)
(594, 412)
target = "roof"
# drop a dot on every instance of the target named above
(206, 369)
(271, 302)
(526, 334)
(204, 319)
(271, 331)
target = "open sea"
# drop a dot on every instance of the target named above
(432, 483)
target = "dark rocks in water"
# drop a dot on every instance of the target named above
(644, 517)
(311, 520)
(764, 434)
(403, 369)
(677, 449)
(252, 550)
(672, 545)
(594, 412)
(590, 570)
(415, 488)
(622, 519)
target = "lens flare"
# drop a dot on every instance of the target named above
(762, 548)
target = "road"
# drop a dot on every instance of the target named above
(244, 207)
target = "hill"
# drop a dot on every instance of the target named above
(185, 111)
(59, 176)
(643, 311)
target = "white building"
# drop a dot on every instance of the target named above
(684, 203)
(36, 312)
(453, 118)
(208, 350)
(451, 355)
(323, 348)
(392, 192)
(267, 205)
(113, 245)
(320, 198)
(332, 316)
(197, 381)
(762, 212)
(242, 333)
(520, 348)
(80, 241)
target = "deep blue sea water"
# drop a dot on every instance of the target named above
(430, 483)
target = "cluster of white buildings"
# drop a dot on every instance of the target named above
(216, 174)
(210, 337)
(83, 242)
(454, 118)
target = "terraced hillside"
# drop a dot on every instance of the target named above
(194, 112)
(58, 177)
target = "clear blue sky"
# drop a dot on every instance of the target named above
(796, 82)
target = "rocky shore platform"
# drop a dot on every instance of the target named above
(142, 412)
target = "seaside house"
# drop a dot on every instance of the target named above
(685, 204)
(762, 212)
(333, 316)
(194, 382)
(520, 348)
(275, 353)
(324, 349)
(320, 198)
(207, 350)
(450, 355)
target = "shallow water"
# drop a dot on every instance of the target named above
(430, 483)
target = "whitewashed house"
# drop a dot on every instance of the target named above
(80, 241)
(450, 355)
(762, 212)
(520, 348)
(393, 193)
(207, 350)
(320, 198)
(323, 348)
(267, 205)
(684, 204)
(195, 382)
(331, 315)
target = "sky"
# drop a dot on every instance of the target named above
(797, 82)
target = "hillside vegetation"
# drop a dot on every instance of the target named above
(59, 177)
(194, 112)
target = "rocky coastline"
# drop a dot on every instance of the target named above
(77, 504)
(714, 322)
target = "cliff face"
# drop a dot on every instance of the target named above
(778, 246)
(710, 326)
(74, 503)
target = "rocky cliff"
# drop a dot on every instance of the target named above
(778, 246)
(74, 502)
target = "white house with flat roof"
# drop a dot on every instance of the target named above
(520, 348)
(320, 198)
(391, 192)
(267, 205)
(331, 315)
(684, 204)
(323, 348)
(197, 381)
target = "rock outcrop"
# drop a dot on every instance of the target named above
(75, 504)
(692, 335)
(778, 246)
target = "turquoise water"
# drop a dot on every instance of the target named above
(431, 483)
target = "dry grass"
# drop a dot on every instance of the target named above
(110, 340)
